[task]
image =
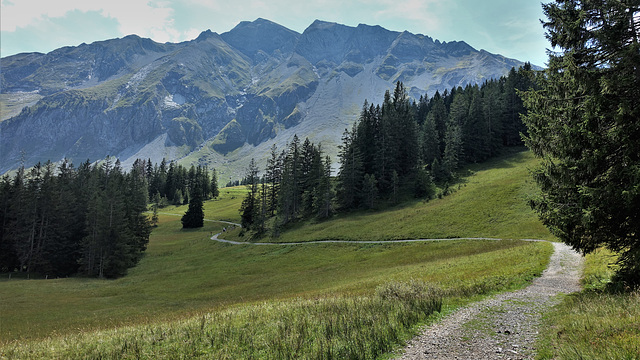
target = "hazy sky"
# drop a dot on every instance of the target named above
(508, 27)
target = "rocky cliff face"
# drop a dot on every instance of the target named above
(217, 98)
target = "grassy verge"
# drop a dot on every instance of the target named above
(595, 323)
(184, 272)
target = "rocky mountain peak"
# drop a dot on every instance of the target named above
(205, 35)
(219, 98)
(261, 35)
(335, 43)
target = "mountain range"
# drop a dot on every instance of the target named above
(219, 99)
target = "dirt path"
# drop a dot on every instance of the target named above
(504, 326)
(216, 238)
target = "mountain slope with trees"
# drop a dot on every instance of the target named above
(395, 148)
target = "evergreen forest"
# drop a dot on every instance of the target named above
(61, 220)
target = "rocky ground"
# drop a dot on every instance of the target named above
(504, 326)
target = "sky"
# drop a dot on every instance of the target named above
(508, 27)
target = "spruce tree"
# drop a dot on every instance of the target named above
(430, 139)
(584, 123)
(453, 149)
(155, 204)
(476, 131)
(273, 176)
(215, 192)
(324, 192)
(250, 206)
(194, 217)
(351, 173)
(370, 190)
(424, 186)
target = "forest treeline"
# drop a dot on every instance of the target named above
(89, 220)
(395, 148)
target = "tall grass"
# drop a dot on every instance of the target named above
(362, 327)
(351, 318)
(597, 323)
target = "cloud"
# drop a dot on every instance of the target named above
(51, 33)
(143, 17)
(425, 13)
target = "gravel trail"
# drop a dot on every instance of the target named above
(504, 326)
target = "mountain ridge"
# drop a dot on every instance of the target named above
(219, 98)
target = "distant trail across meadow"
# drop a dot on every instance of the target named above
(217, 238)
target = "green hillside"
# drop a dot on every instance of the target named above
(188, 285)
(489, 202)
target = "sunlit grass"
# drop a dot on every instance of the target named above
(225, 207)
(184, 272)
(489, 202)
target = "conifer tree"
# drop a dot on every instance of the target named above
(8, 257)
(430, 139)
(453, 149)
(584, 123)
(155, 205)
(194, 217)
(273, 176)
(395, 185)
(250, 207)
(215, 192)
(324, 192)
(351, 175)
(424, 186)
(370, 190)
(440, 115)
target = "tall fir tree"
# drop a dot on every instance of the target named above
(250, 206)
(351, 172)
(215, 191)
(273, 176)
(584, 123)
(324, 192)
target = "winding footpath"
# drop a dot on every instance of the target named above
(504, 326)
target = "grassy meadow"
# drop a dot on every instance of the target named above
(192, 297)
